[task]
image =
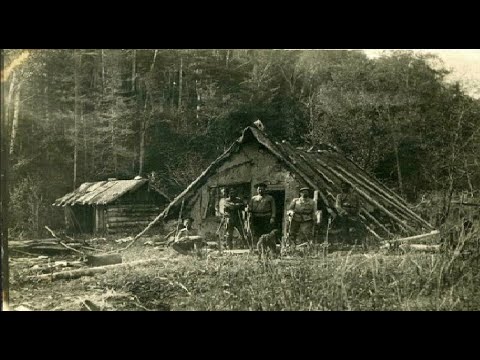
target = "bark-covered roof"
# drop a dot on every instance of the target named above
(99, 193)
(325, 169)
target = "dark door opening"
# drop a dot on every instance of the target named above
(82, 219)
(279, 197)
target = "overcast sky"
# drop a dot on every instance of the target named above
(464, 64)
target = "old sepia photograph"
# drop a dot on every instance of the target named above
(240, 179)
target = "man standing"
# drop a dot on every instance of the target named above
(302, 215)
(263, 211)
(348, 207)
(232, 219)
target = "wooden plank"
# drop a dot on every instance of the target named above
(236, 252)
(402, 224)
(391, 199)
(416, 237)
(374, 220)
(420, 247)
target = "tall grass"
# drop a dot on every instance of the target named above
(375, 280)
(351, 281)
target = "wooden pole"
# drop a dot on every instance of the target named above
(380, 206)
(416, 237)
(372, 218)
(393, 200)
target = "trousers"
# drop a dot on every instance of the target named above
(300, 228)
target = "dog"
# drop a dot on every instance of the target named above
(267, 244)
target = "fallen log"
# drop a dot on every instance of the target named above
(71, 248)
(73, 274)
(43, 246)
(416, 237)
(27, 243)
(420, 247)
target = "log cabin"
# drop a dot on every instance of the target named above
(111, 206)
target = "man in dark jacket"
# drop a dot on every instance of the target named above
(232, 218)
(262, 213)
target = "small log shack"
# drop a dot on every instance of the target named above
(111, 206)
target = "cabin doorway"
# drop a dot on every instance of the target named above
(279, 197)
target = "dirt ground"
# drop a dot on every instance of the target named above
(150, 287)
(98, 292)
(351, 279)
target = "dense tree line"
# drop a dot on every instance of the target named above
(90, 114)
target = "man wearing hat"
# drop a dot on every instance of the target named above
(187, 238)
(301, 212)
(263, 211)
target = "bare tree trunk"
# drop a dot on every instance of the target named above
(114, 153)
(85, 147)
(103, 71)
(4, 199)
(47, 104)
(153, 61)
(180, 83)
(76, 115)
(198, 101)
(172, 88)
(395, 149)
(142, 149)
(92, 145)
(469, 180)
(134, 157)
(399, 170)
(143, 129)
(134, 69)
(8, 102)
(16, 110)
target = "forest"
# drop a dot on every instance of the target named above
(72, 116)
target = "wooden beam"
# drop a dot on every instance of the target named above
(399, 221)
(416, 237)
(393, 200)
(371, 217)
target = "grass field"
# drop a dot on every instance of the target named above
(343, 280)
